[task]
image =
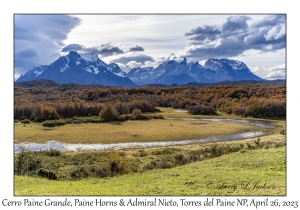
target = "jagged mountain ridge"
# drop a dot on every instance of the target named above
(89, 69)
(80, 69)
(173, 72)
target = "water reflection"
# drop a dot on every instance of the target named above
(180, 110)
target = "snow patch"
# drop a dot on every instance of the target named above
(236, 65)
(88, 70)
(68, 60)
(64, 68)
(38, 72)
(96, 70)
(93, 69)
(120, 74)
(78, 62)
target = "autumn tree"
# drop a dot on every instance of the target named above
(108, 113)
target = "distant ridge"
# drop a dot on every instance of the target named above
(241, 82)
(51, 83)
(39, 82)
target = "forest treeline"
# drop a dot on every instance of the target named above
(40, 103)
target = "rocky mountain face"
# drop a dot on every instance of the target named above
(80, 69)
(172, 72)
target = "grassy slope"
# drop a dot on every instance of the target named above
(263, 166)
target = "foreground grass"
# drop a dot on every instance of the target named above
(232, 174)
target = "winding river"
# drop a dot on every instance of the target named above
(79, 147)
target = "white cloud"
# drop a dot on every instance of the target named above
(278, 67)
(277, 72)
(254, 69)
(275, 33)
(270, 72)
(133, 64)
(124, 67)
(129, 56)
(276, 75)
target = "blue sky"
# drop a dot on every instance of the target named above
(148, 40)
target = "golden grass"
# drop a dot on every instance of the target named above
(130, 131)
(171, 128)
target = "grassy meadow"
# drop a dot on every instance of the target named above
(240, 167)
(168, 129)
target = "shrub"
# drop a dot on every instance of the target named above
(53, 153)
(157, 116)
(79, 172)
(258, 143)
(141, 153)
(53, 123)
(47, 174)
(165, 151)
(77, 121)
(165, 164)
(124, 117)
(142, 117)
(107, 113)
(180, 159)
(136, 112)
(25, 121)
(117, 165)
(150, 166)
(49, 113)
(25, 162)
(282, 132)
(200, 109)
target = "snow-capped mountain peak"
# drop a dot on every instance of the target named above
(74, 68)
(219, 63)
(214, 70)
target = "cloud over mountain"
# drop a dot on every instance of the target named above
(40, 37)
(136, 48)
(72, 47)
(132, 56)
(103, 50)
